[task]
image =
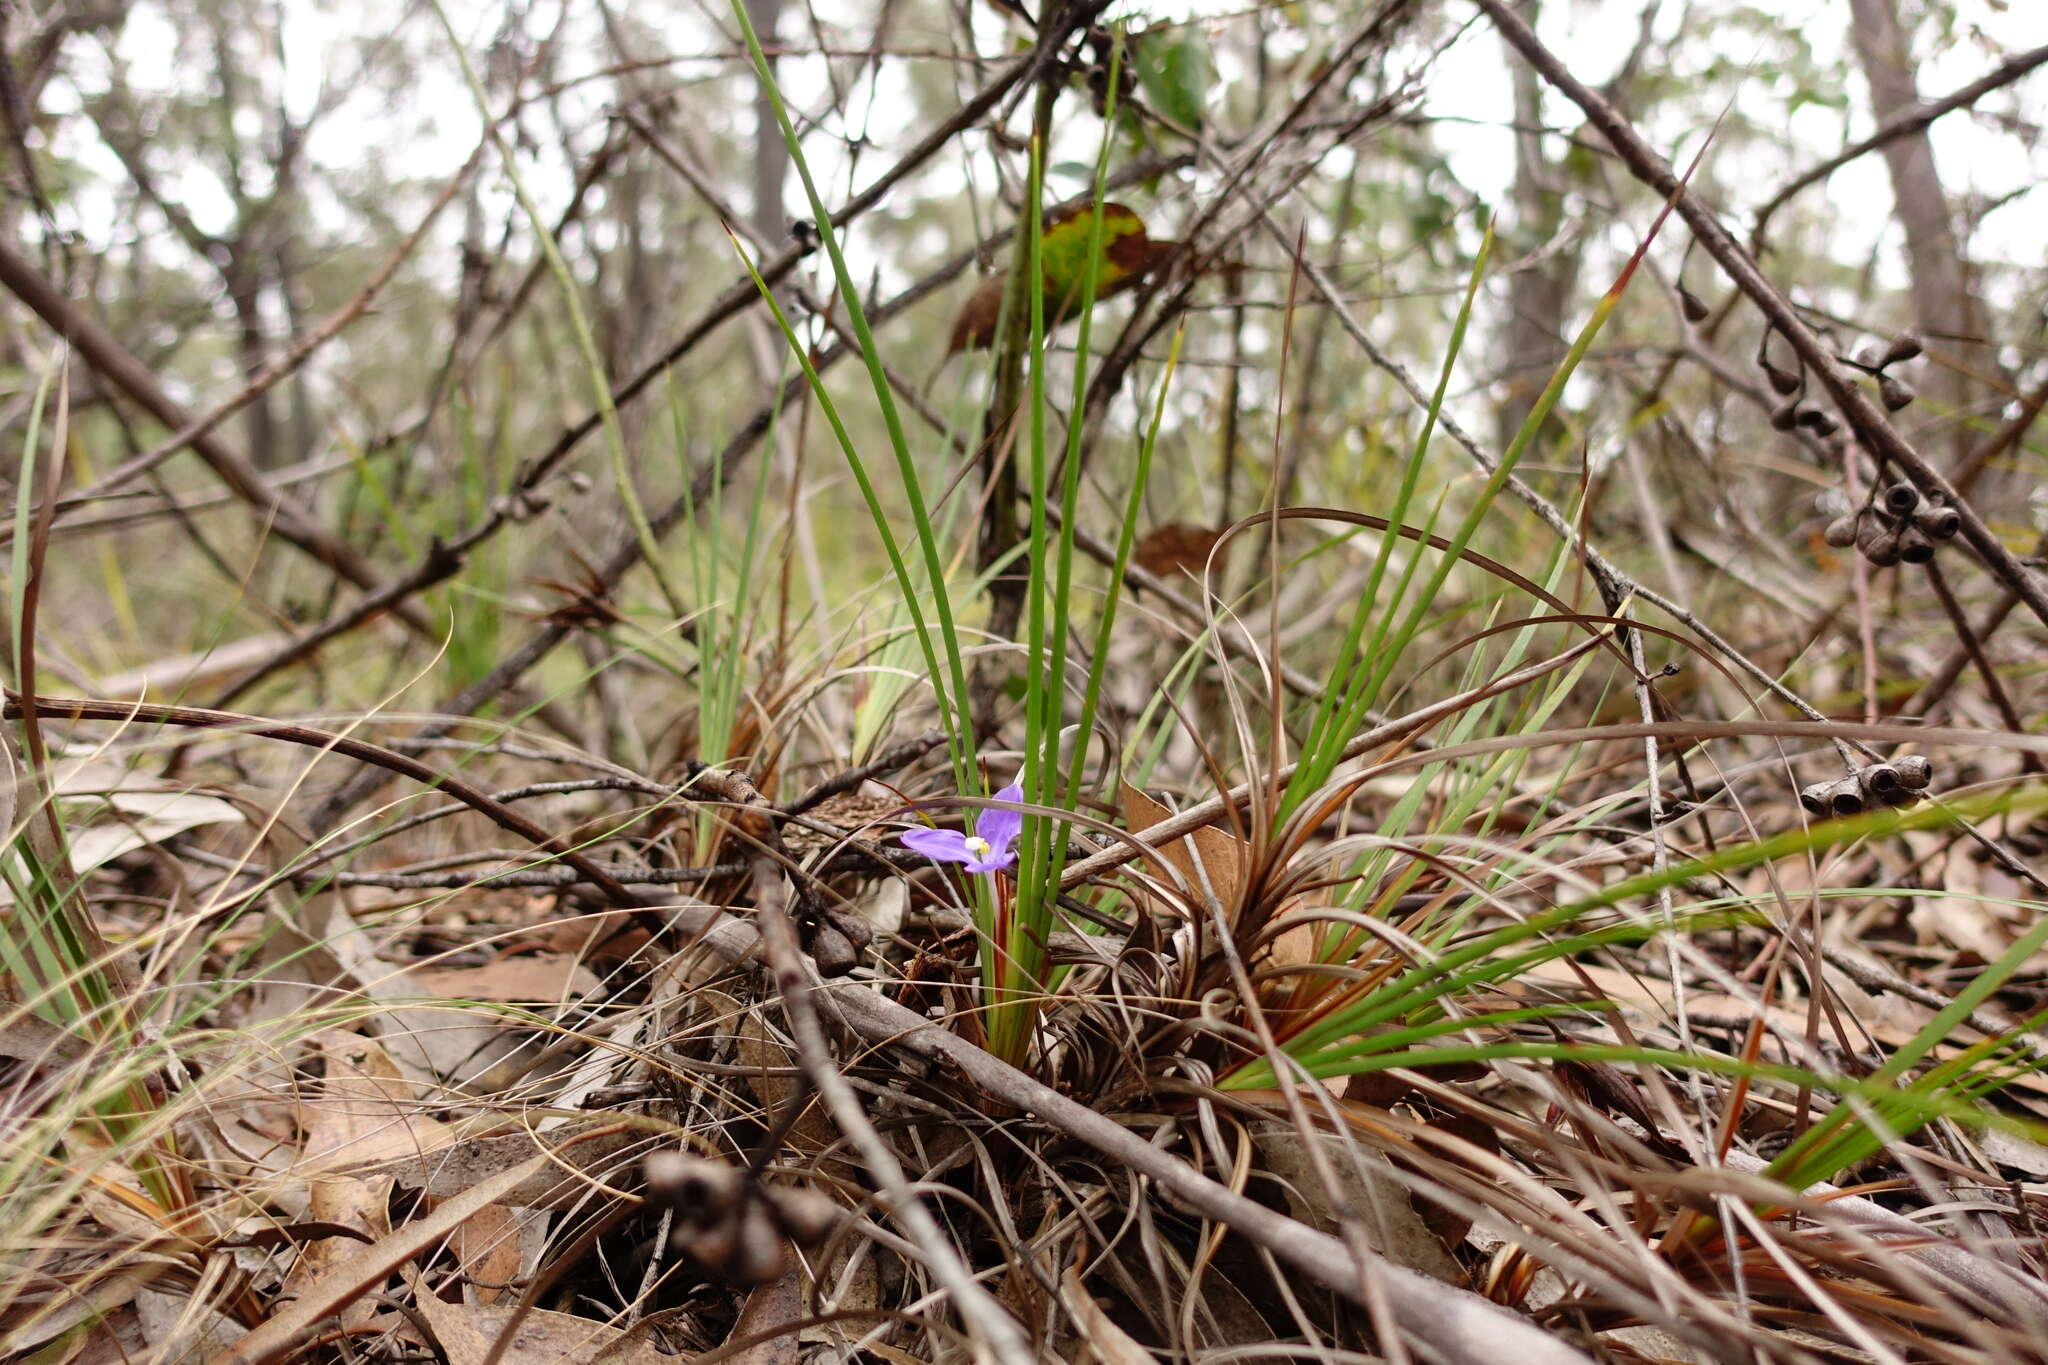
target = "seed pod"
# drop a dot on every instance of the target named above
(700, 1191)
(807, 1216)
(1879, 545)
(760, 1255)
(1868, 358)
(1904, 346)
(1900, 499)
(1896, 393)
(1784, 382)
(1817, 421)
(1881, 780)
(1914, 771)
(1939, 523)
(1903, 798)
(1841, 532)
(1914, 546)
(1814, 796)
(1845, 797)
(1785, 416)
(711, 1247)
(1689, 304)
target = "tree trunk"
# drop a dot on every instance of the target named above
(1944, 308)
(243, 275)
(1539, 292)
(771, 154)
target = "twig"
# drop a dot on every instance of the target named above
(121, 369)
(1451, 1325)
(796, 980)
(1861, 411)
(126, 713)
(889, 760)
(1902, 124)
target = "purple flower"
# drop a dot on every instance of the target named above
(987, 849)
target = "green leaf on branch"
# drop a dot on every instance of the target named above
(1173, 68)
(1128, 253)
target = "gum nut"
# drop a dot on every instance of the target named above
(700, 1191)
(1905, 346)
(1883, 549)
(1817, 421)
(760, 1255)
(1900, 499)
(806, 1215)
(833, 951)
(1941, 523)
(665, 1172)
(1783, 382)
(1902, 798)
(1689, 304)
(711, 1247)
(1841, 532)
(1881, 780)
(1785, 416)
(1845, 797)
(1914, 770)
(1869, 357)
(1914, 546)
(1814, 796)
(1895, 393)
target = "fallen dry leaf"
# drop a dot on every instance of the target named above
(467, 1332)
(544, 978)
(575, 1158)
(1107, 1343)
(773, 1308)
(364, 1110)
(1208, 857)
(488, 1252)
(1368, 1191)
(369, 1267)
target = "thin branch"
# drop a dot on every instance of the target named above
(1861, 411)
(127, 713)
(1899, 125)
(290, 520)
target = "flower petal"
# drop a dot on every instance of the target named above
(1001, 827)
(940, 845)
(997, 860)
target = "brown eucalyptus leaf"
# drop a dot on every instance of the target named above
(1175, 548)
(369, 1267)
(467, 1332)
(1208, 856)
(1367, 1189)
(776, 1307)
(362, 1110)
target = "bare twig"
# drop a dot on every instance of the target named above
(1864, 416)
(125, 713)
(1898, 126)
(291, 521)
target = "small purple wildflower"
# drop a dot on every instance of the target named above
(987, 849)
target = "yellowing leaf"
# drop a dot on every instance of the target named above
(1063, 253)
(1128, 254)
